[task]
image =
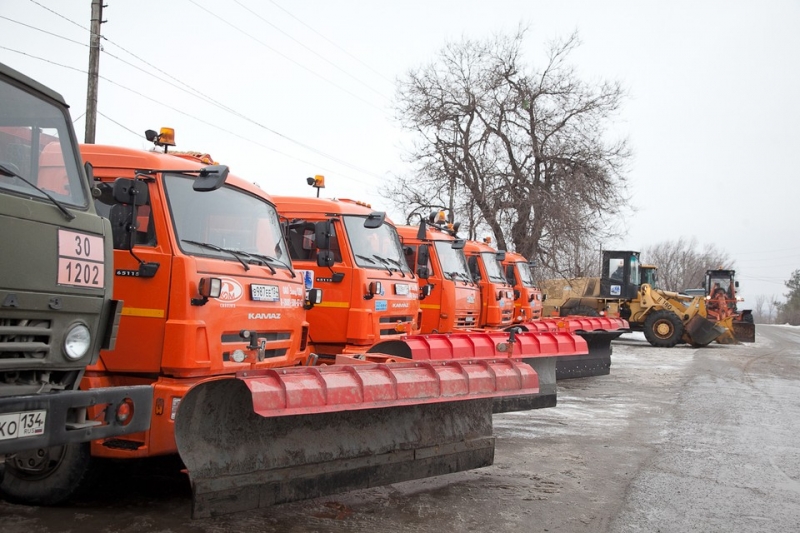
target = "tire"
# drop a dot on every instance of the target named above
(579, 310)
(47, 476)
(663, 328)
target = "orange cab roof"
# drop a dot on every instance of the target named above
(130, 159)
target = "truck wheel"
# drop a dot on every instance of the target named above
(663, 328)
(46, 476)
(579, 310)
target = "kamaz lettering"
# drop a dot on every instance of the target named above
(263, 316)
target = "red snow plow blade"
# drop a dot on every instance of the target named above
(541, 350)
(598, 332)
(282, 435)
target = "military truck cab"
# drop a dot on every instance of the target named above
(56, 311)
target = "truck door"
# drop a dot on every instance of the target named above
(144, 291)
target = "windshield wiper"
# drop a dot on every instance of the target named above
(365, 258)
(394, 262)
(5, 171)
(234, 253)
(460, 275)
(267, 259)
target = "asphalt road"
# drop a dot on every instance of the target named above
(674, 440)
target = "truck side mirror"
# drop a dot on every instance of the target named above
(211, 178)
(375, 220)
(422, 272)
(423, 255)
(126, 190)
(458, 244)
(322, 235)
(325, 258)
(501, 255)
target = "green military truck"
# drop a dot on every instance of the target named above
(56, 311)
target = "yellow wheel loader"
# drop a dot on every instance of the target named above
(666, 318)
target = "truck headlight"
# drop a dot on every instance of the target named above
(77, 342)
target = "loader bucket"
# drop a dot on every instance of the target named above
(744, 331)
(598, 332)
(700, 331)
(540, 350)
(277, 436)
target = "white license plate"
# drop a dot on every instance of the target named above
(264, 293)
(20, 425)
(401, 289)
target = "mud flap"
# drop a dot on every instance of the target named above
(744, 331)
(279, 437)
(701, 331)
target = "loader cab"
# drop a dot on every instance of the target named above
(649, 274)
(453, 301)
(527, 297)
(353, 253)
(621, 275)
(721, 283)
(497, 295)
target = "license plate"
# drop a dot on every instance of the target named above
(264, 293)
(80, 259)
(401, 289)
(20, 425)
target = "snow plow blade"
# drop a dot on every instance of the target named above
(540, 350)
(598, 332)
(702, 332)
(276, 436)
(744, 331)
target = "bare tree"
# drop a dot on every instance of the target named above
(519, 152)
(681, 265)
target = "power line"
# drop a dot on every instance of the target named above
(333, 43)
(44, 31)
(206, 98)
(126, 128)
(334, 65)
(285, 56)
(189, 115)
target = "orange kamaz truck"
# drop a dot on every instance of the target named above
(395, 299)
(215, 323)
(527, 297)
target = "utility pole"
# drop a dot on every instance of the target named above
(94, 68)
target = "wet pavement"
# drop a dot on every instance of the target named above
(674, 439)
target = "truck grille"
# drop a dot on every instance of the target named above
(24, 338)
(466, 321)
(385, 320)
(282, 340)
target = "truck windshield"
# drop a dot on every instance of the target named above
(35, 143)
(454, 264)
(525, 276)
(227, 223)
(493, 268)
(375, 247)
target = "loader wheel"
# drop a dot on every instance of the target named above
(46, 476)
(663, 328)
(579, 310)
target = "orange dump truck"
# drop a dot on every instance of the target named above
(215, 322)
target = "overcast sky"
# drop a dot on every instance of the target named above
(283, 90)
